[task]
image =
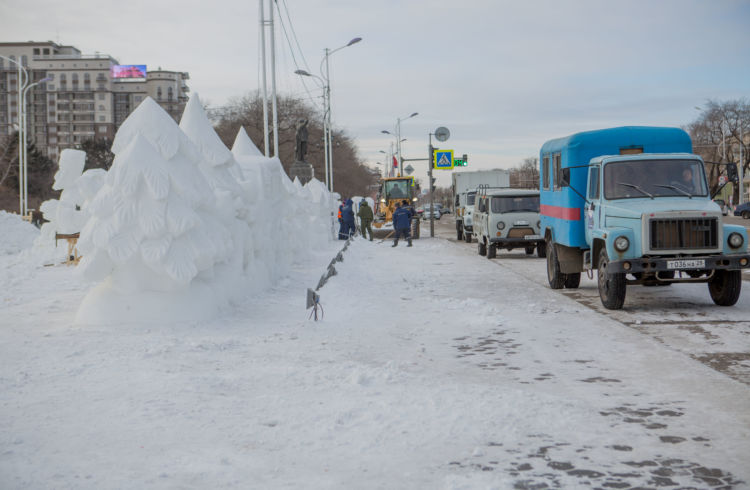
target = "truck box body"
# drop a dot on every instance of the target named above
(562, 208)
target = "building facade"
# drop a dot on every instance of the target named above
(81, 99)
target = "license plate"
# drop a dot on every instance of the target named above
(532, 237)
(686, 264)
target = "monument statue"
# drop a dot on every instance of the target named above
(301, 149)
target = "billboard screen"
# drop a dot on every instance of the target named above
(128, 72)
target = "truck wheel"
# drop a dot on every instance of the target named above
(529, 250)
(554, 276)
(541, 250)
(572, 281)
(725, 287)
(467, 237)
(459, 234)
(415, 228)
(611, 286)
(481, 247)
(491, 251)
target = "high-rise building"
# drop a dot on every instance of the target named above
(86, 96)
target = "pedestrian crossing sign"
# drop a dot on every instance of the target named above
(443, 159)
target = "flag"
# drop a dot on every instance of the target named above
(395, 162)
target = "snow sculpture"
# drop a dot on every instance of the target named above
(154, 226)
(69, 214)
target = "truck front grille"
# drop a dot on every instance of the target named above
(519, 232)
(684, 233)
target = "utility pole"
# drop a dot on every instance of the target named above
(429, 177)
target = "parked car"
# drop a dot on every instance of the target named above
(428, 211)
(723, 206)
(743, 210)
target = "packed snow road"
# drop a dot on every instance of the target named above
(432, 368)
(681, 316)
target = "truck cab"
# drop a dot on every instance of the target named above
(633, 204)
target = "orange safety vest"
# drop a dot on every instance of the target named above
(339, 213)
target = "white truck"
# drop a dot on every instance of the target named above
(464, 185)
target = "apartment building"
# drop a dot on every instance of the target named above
(80, 99)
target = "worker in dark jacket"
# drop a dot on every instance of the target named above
(342, 227)
(365, 219)
(347, 216)
(401, 224)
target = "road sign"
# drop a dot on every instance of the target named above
(442, 134)
(443, 159)
(409, 169)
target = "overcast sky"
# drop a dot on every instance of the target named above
(503, 76)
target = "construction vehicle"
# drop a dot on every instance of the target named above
(394, 190)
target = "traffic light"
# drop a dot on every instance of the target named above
(461, 161)
(433, 182)
(732, 173)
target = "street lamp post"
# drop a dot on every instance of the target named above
(399, 140)
(25, 189)
(327, 128)
(23, 79)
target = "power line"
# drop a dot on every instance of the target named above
(291, 49)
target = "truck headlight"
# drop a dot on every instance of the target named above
(500, 225)
(735, 240)
(621, 243)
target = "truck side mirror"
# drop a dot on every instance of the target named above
(565, 180)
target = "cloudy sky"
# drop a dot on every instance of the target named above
(503, 76)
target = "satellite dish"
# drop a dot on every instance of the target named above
(442, 134)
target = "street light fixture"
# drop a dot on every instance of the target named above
(327, 129)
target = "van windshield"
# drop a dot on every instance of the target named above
(515, 204)
(470, 198)
(654, 178)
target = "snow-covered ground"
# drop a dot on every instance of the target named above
(432, 368)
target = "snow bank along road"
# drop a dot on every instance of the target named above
(433, 368)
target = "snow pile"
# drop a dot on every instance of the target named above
(174, 236)
(17, 234)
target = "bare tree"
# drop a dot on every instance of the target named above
(351, 176)
(716, 136)
(525, 175)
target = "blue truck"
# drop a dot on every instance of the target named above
(633, 204)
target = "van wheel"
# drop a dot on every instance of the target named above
(467, 237)
(491, 251)
(481, 247)
(554, 276)
(725, 287)
(746, 214)
(611, 286)
(572, 281)
(541, 250)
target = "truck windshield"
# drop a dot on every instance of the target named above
(515, 204)
(397, 189)
(470, 197)
(654, 178)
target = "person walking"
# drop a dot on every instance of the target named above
(401, 224)
(347, 216)
(365, 219)
(342, 230)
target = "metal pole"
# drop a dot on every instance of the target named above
(21, 140)
(741, 173)
(398, 147)
(273, 83)
(25, 152)
(429, 178)
(329, 140)
(263, 72)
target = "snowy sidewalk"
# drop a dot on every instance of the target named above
(432, 368)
